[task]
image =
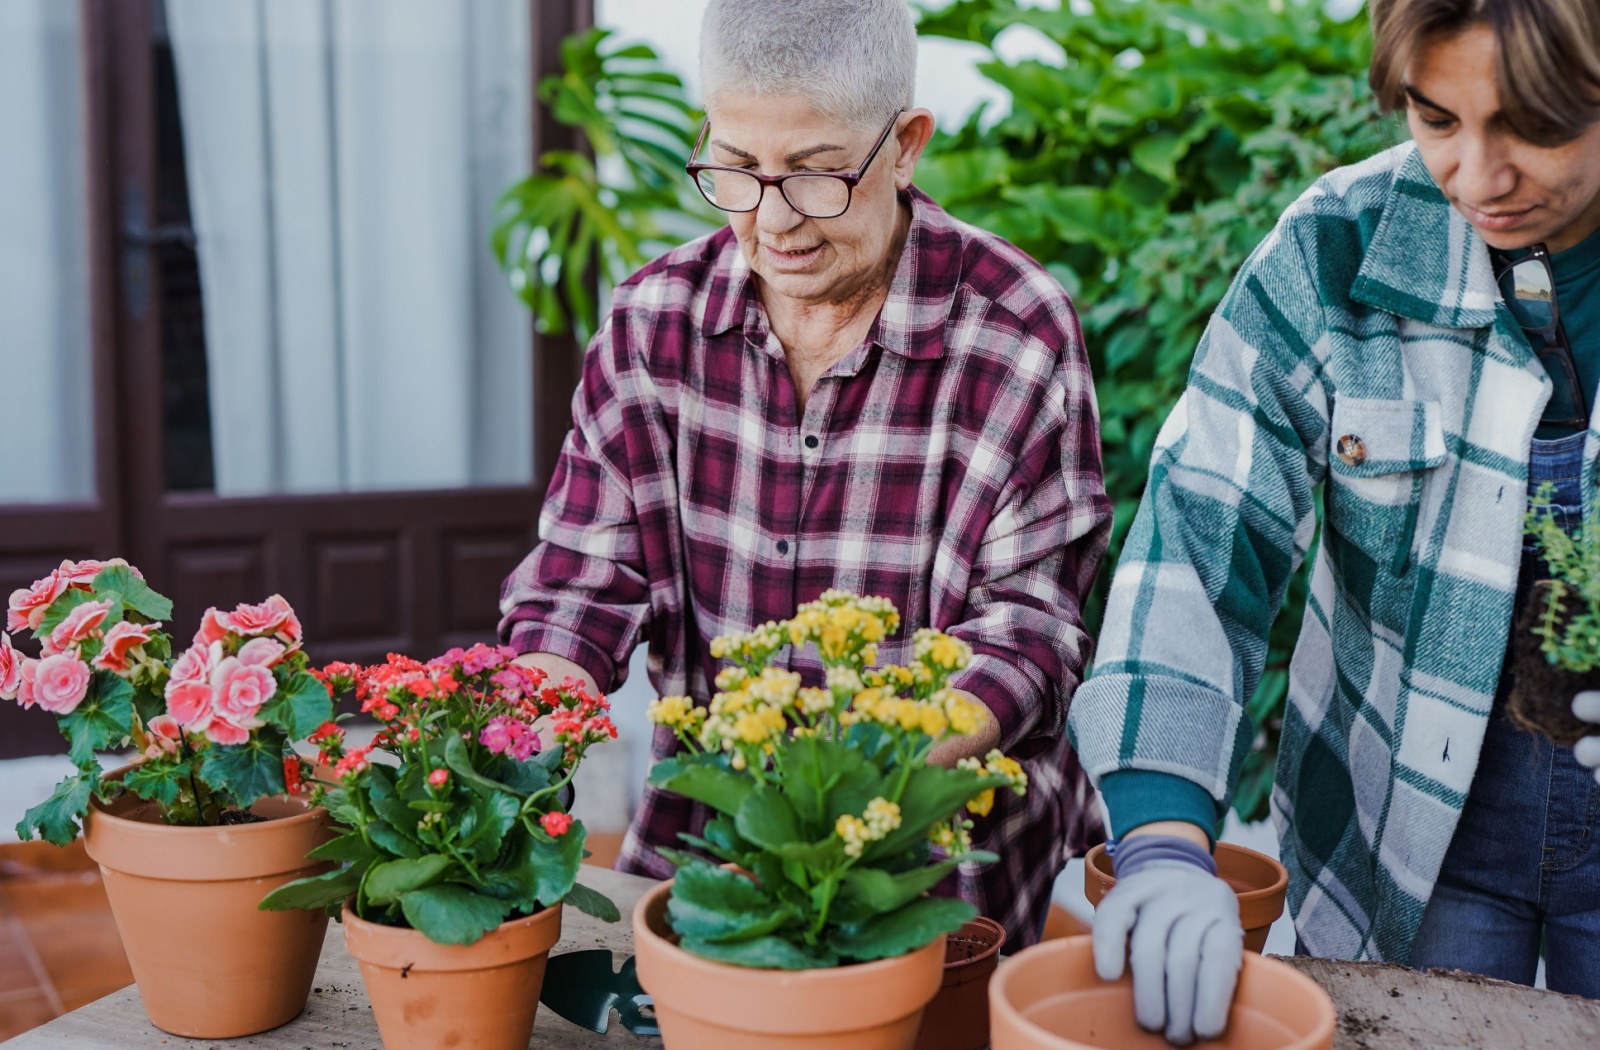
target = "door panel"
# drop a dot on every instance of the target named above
(369, 572)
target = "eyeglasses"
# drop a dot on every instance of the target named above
(1528, 285)
(814, 194)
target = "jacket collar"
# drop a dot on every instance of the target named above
(1425, 261)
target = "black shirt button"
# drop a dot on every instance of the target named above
(783, 546)
(811, 441)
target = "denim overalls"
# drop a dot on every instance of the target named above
(1524, 862)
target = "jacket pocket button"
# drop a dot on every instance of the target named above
(1352, 450)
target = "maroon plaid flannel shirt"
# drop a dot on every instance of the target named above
(950, 463)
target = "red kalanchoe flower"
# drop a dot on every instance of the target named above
(353, 763)
(291, 774)
(555, 824)
(438, 778)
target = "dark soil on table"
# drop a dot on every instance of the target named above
(1541, 693)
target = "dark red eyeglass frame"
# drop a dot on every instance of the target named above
(850, 178)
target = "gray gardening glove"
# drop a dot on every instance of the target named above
(1587, 751)
(1187, 944)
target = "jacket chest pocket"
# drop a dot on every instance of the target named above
(1380, 455)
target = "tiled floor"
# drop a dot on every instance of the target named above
(59, 947)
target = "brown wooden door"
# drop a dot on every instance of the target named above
(369, 572)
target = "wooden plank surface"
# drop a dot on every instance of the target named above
(1381, 1007)
(1388, 1007)
(337, 1015)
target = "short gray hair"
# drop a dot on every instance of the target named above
(855, 60)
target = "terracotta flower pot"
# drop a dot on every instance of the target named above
(1049, 998)
(703, 1005)
(958, 1017)
(209, 964)
(1260, 882)
(483, 995)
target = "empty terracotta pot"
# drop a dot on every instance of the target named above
(209, 964)
(1049, 998)
(703, 1005)
(1260, 882)
(483, 995)
(958, 1017)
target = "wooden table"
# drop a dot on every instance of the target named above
(1380, 1007)
(337, 1015)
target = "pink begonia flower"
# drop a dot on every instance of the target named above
(273, 618)
(26, 610)
(82, 573)
(25, 691)
(162, 736)
(61, 682)
(261, 652)
(117, 650)
(222, 731)
(10, 668)
(238, 690)
(81, 624)
(189, 688)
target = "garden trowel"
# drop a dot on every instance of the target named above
(581, 988)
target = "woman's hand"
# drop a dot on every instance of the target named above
(1177, 926)
(1587, 707)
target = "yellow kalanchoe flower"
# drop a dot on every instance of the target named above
(879, 818)
(981, 805)
(672, 711)
(814, 701)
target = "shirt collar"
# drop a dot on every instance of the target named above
(914, 314)
(1425, 261)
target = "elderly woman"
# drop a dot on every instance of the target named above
(842, 388)
(1420, 336)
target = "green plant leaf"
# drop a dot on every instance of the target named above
(392, 842)
(56, 818)
(347, 848)
(700, 778)
(882, 892)
(386, 882)
(161, 782)
(102, 720)
(451, 914)
(248, 771)
(932, 795)
(767, 819)
(898, 932)
(592, 902)
(299, 706)
(459, 760)
(711, 903)
(483, 827)
(762, 953)
(314, 893)
(134, 593)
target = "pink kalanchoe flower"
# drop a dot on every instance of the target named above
(555, 824)
(439, 778)
(238, 690)
(80, 625)
(262, 652)
(27, 606)
(189, 688)
(61, 682)
(162, 736)
(116, 653)
(10, 668)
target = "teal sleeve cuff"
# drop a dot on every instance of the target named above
(1135, 797)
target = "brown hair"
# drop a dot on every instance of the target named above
(1548, 67)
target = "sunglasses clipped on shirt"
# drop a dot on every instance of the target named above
(1528, 285)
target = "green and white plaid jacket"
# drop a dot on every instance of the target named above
(1369, 316)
